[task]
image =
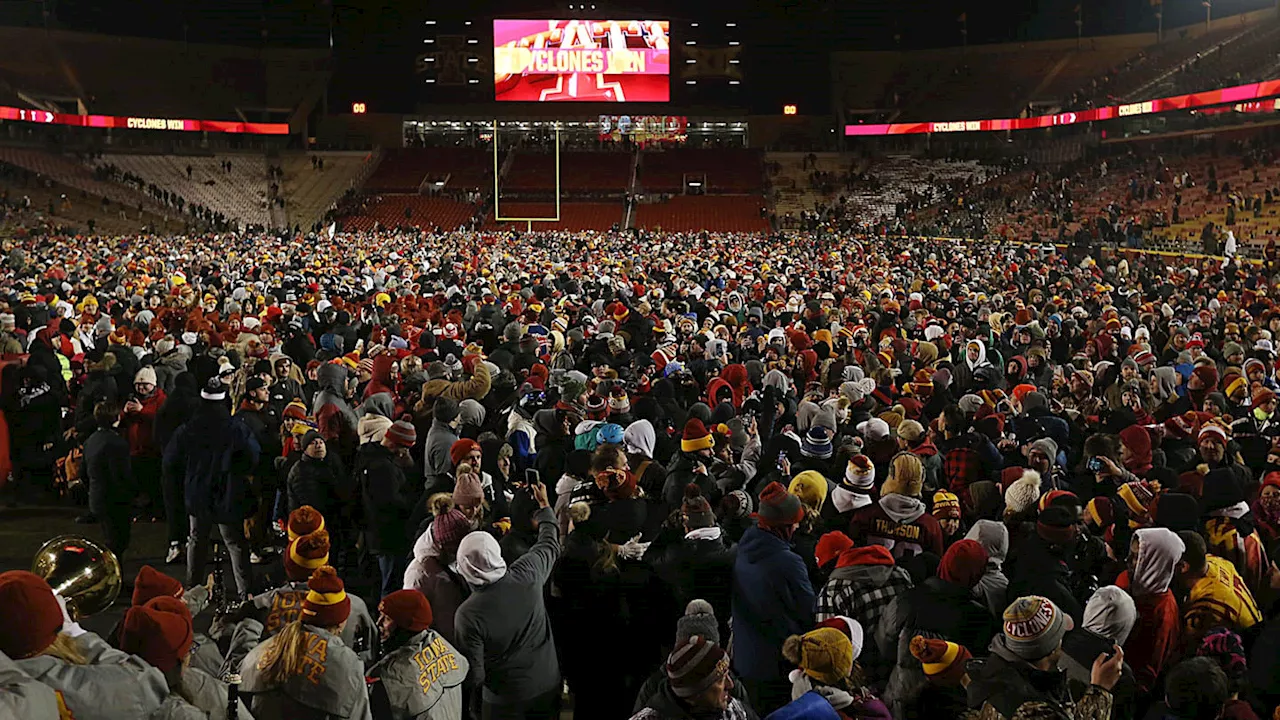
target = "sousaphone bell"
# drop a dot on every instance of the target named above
(84, 573)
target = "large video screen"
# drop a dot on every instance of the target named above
(581, 60)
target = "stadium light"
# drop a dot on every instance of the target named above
(693, 24)
(358, 108)
(734, 42)
(788, 109)
(430, 22)
(731, 24)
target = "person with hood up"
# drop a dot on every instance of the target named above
(503, 628)
(91, 678)
(899, 521)
(941, 607)
(1021, 678)
(973, 364)
(826, 661)
(1154, 554)
(992, 587)
(772, 598)
(305, 670)
(638, 440)
(334, 416)
(434, 571)
(1109, 616)
(437, 465)
(420, 674)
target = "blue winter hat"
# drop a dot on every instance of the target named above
(609, 434)
(817, 443)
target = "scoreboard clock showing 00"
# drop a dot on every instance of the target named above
(581, 60)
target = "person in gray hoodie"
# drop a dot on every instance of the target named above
(335, 418)
(503, 628)
(992, 586)
(437, 466)
(93, 679)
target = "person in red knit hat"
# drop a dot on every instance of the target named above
(408, 644)
(692, 466)
(306, 668)
(150, 584)
(92, 679)
(278, 607)
(772, 598)
(160, 632)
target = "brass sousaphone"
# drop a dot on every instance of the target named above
(84, 573)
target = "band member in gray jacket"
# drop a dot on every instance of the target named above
(94, 680)
(420, 677)
(305, 672)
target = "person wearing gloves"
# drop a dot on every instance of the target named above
(420, 674)
(92, 679)
(772, 598)
(503, 628)
(160, 632)
(305, 671)
(826, 661)
(1021, 676)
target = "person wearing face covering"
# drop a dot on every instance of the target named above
(993, 585)
(503, 628)
(1154, 554)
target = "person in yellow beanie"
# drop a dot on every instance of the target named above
(826, 663)
(811, 487)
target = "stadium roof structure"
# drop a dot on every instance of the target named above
(82, 73)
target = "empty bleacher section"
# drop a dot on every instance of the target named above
(724, 170)
(957, 83)
(405, 170)
(714, 213)
(74, 174)
(580, 172)
(311, 190)
(77, 72)
(31, 203)
(420, 211)
(239, 191)
(573, 215)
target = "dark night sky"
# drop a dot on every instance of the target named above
(374, 42)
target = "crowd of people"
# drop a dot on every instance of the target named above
(655, 476)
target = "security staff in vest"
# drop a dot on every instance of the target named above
(420, 676)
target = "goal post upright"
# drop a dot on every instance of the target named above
(529, 221)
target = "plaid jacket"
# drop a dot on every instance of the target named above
(861, 592)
